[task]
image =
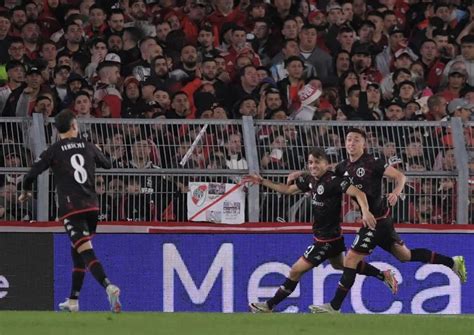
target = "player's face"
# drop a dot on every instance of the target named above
(355, 143)
(317, 166)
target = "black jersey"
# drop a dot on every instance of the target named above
(326, 193)
(73, 163)
(366, 174)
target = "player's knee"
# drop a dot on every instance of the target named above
(403, 257)
(403, 254)
(295, 274)
(352, 259)
(89, 257)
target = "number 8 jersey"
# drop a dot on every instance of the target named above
(73, 162)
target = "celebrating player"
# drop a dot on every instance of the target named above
(365, 172)
(73, 162)
(326, 191)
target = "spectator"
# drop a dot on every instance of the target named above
(457, 79)
(397, 40)
(5, 38)
(467, 57)
(234, 156)
(21, 100)
(16, 77)
(321, 60)
(106, 91)
(133, 105)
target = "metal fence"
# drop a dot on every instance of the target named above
(153, 164)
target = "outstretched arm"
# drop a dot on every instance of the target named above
(280, 188)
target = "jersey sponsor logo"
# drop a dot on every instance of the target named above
(346, 174)
(320, 189)
(360, 172)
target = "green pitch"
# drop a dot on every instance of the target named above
(50, 323)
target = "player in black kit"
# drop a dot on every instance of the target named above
(365, 172)
(326, 191)
(73, 161)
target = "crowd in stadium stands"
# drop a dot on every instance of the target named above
(223, 59)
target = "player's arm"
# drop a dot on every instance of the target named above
(37, 168)
(280, 188)
(400, 180)
(368, 218)
(100, 159)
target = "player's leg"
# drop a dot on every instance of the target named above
(81, 229)
(391, 242)
(78, 273)
(368, 270)
(300, 267)
(314, 255)
(456, 263)
(363, 245)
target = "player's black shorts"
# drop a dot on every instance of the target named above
(383, 236)
(320, 251)
(81, 227)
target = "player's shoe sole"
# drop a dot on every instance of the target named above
(390, 281)
(460, 268)
(113, 293)
(259, 307)
(67, 306)
(323, 309)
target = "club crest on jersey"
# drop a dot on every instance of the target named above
(360, 172)
(320, 189)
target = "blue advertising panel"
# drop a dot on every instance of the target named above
(223, 272)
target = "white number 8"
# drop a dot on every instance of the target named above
(80, 174)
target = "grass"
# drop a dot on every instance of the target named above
(49, 323)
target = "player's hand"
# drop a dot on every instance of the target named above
(293, 176)
(24, 196)
(252, 179)
(368, 220)
(392, 198)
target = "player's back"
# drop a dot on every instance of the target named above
(73, 162)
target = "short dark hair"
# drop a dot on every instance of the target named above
(82, 93)
(63, 121)
(292, 59)
(318, 153)
(357, 131)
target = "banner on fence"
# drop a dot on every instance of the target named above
(216, 202)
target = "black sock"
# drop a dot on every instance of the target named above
(369, 270)
(284, 291)
(78, 274)
(428, 256)
(345, 284)
(95, 267)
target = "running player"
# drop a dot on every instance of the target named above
(73, 162)
(326, 191)
(366, 172)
